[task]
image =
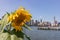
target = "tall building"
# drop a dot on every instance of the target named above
(36, 22)
(41, 20)
(54, 18)
(55, 21)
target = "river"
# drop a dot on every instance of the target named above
(36, 34)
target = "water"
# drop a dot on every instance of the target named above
(43, 34)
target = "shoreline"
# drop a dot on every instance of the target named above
(48, 28)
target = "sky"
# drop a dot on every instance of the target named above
(40, 9)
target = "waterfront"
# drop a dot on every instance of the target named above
(48, 28)
(43, 34)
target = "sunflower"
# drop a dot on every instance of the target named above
(19, 18)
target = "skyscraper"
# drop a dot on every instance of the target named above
(55, 21)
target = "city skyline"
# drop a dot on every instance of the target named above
(40, 9)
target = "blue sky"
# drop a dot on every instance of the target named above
(40, 9)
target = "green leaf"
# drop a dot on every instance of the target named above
(4, 21)
(14, 37)
(0, 22)
(26, 26)
(5, 36)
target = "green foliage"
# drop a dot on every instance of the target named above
(14, 37)
(5, 36)
(19, 34)
(4, 22)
